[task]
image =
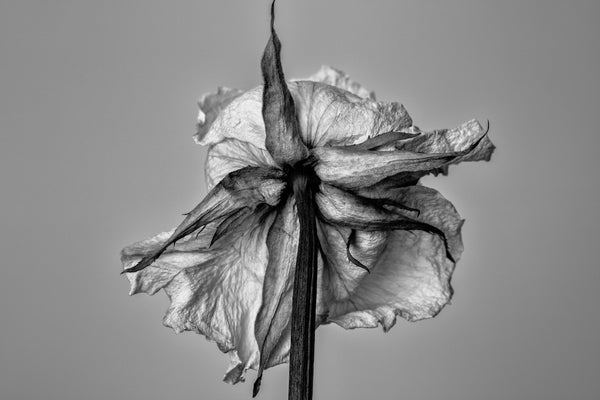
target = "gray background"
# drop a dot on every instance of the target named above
(97, 109)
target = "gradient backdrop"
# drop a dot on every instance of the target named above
(97, 109)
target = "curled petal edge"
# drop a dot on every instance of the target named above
(247, 187)
(341, 208)
(354, 169)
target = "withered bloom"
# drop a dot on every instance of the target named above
(315, 215)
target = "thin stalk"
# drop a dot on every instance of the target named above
(304, 298)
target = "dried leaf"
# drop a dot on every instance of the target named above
(283, 139)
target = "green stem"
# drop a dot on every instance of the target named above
(304, 298)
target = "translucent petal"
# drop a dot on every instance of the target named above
(341, 208)
(327, 116)
(330, 116)
(215, 292)
(340, 276)
(210, 106)
(188, 252)
(231, 155)
(410, 275)
(411, 279)
(240, 119)
(247, 187)
(232, 281)
(339, 79)
(433, 209)
(237, 114)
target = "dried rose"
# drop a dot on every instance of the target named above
(315, 215)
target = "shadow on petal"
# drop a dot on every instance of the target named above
(247, 187)
(215, 292)
(410, 279)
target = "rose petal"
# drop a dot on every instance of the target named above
(213, 292)
(247, 187)
(379, 141)
(433, 209)
(241, 120)
(231, 155)
(340, 276)
(335, 77)
(210, 105)
(235, 222)
(327, 115)
(330, 116)
(345, 209)
(271, 327)
(411, 277)
(188, 252)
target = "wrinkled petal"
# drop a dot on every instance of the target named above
(410, 276)
(353, 169)
(272, 322)
(231, 155)
(385, 247)
(411, 279)
(247, 187)
(379, 141)
(210, 106)
(327, 116)
(234, 222)
(341, 208)
(188, 252)
(452, 140)
(330, 116)
(215, 292)
(237, 115)
(241, 120)
(433, 209)
(338, 207)
(335, 77)
(340, 276)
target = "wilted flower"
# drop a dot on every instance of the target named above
(312, 183)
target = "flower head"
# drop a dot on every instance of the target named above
(323, 147)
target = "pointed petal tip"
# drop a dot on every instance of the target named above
(272, 13)
(491, 147)
(144, 262)
(258, 381)
(283, 138)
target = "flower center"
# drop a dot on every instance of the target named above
(301, 177)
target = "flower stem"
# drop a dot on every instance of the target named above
(304, 298)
